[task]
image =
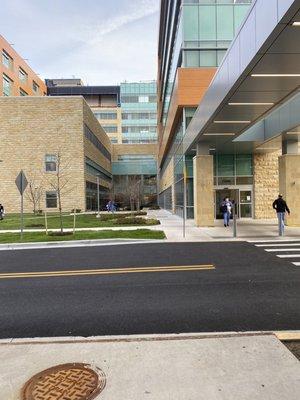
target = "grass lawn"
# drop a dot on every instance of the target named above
(86, 235)
(12, 221)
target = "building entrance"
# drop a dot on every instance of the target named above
(242, 197)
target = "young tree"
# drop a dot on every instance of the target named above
(60, 182)
(134, 192)
(35, 190)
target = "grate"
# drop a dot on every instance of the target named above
(65, 382)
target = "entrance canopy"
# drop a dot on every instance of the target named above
(259, 74)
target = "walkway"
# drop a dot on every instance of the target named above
(247, 229)
(194, 367)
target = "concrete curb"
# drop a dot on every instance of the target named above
(76, 243)
(281, 335)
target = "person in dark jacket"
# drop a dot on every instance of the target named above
(281, 208)
(225, 208)
(1, 212)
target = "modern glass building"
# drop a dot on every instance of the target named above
(128, 114)
(193, 39)
(135, 162)
(139, 112)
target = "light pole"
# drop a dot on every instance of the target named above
(98, 198)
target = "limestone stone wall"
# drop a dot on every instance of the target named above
(289, 176)
(30, 128)
(266, 184)
(203, 190)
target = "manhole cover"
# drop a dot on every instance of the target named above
(65, 382)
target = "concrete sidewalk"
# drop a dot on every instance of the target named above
(175, 367)
(247, 229)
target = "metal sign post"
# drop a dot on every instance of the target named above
(184, 197)
(234, 220)
(21, 183)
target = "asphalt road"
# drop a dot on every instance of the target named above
(249, 289)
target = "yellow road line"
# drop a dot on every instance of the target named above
(109, 271)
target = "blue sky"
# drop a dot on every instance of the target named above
(101, 41)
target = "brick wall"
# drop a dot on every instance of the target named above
(30, 128)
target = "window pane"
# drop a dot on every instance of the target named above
(192, 59)
(207, 23)
(51, 199)
(226, 165)
(7, 86)
(190, 23)
(208, 58)
(244, 165)
(225, 25)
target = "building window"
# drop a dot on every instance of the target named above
(106, 115)
(96, 142)
(114, 140)
(50, 162)
(35, 87)
(7, 85)
(23, 75)
(110, 128)
(141, 115)
(23, 93)
(7, 61)
(143, 99)
(51, 199)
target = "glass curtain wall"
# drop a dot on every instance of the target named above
(208, 29)
(139, 112)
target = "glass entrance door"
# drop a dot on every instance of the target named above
(221, 194)
(246, 203)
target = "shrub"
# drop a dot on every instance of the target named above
(155, 207)
(36, 226)
(60, 233)
(136, 221)
(76, 210)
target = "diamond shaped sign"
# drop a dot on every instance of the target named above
(21, 182)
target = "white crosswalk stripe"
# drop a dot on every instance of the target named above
(278, 247)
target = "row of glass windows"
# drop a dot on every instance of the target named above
(139, 129)
(212, 22)
(95, 169)
(138, 99)
(139, 140)
(139, 115)
(110, 128)
(217, 1)
(96, 142)
(136, 157)
(8, 87)
(106, 115)
(8, 62)
(203, 58)
(230, 165)
(140, 88)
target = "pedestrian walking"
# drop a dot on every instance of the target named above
(281, 208)
(226, 208)
(2, 212)
(108, 206)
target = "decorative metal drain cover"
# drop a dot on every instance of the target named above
(65, 382)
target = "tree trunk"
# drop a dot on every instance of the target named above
(60, 213)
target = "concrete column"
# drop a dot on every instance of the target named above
(203, 190)
(265, 183)
(289, 179)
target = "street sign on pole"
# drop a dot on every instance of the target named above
(21, 183)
